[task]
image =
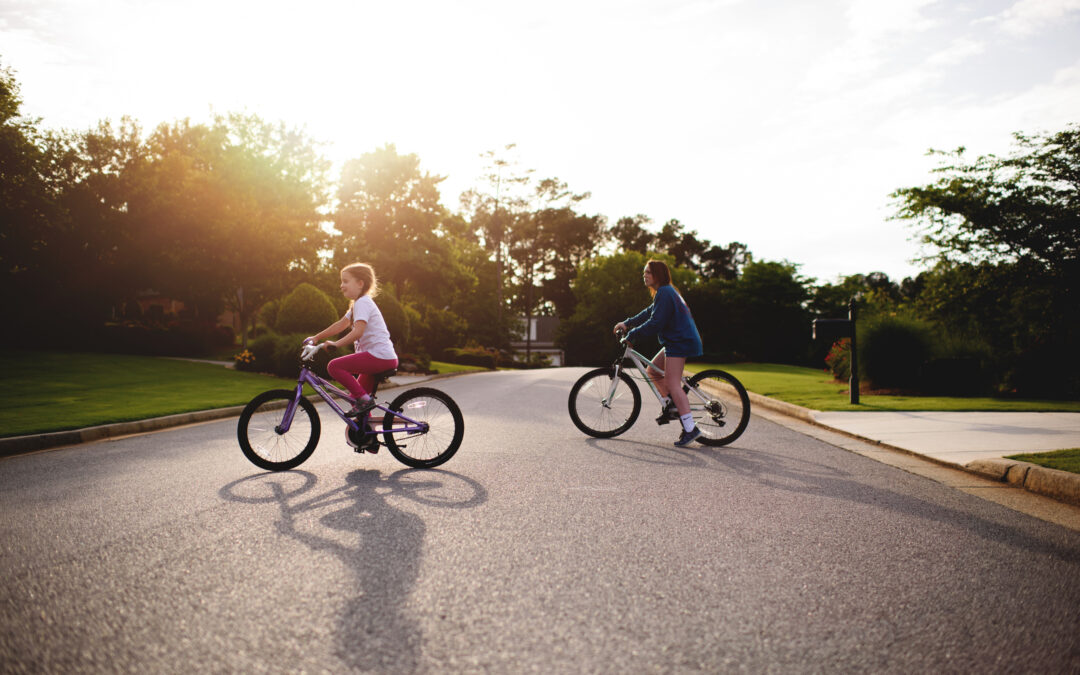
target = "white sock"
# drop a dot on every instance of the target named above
(687, 422)
(665, 402)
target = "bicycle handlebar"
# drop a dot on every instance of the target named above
(309, 351)
(621, 334)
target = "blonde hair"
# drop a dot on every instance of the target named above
(365, 274)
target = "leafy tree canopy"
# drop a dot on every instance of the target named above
(1024, 206)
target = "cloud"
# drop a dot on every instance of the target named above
(874, 29)
(961, 50)
(1029, 17)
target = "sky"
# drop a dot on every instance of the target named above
(781, 124)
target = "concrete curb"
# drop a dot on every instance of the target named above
(1063, 486)
(1060, 485)
(20, 445)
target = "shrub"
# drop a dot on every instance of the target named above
(534, 361)
(245, 361)
(893, 351)
(177, 338)
(268, 313)
(414, 362)
(838, 361)
(280, 355)
(263, 349)
(471, 356)
(305, 310)
(961, 367)
(397, 321)
(287, 354)
(442, 328)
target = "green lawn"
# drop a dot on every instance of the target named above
(443, 367)
(48, 391)
(1064, 460)
(817, 390)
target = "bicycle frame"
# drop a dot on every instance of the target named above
(320, 386)
(643, 363)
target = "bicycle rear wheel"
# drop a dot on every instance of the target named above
(260, 436)
(603, 411)
(720, 406)
(445, 427)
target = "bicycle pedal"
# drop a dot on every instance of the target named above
(663, 419)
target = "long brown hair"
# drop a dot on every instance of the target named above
(661, 275)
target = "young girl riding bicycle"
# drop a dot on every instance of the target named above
(373, 350)
(668, 317)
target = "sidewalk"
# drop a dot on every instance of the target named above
(973, 441)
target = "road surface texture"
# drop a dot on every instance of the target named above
(535, 549)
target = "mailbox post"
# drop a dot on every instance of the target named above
(831, 329)
(854, 382)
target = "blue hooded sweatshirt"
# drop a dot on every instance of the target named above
(668, 318)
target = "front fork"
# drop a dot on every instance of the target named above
(615, 370)
(290, 411)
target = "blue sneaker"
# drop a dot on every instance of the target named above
(687, 437)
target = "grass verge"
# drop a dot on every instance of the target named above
(49, 391)
(1063, 460)
(815, 389)
(443, 367)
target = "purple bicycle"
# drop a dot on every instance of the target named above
(279, 429)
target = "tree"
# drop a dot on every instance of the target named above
(724, 262)
(1024, 206)
(495, 210)
(629, 233)
(28, 214)
(760, 316)
(710, 261)
(575, 238)
(608, 289)
(1008, 274)
(545, 245)
(389, 214)
(226, 213)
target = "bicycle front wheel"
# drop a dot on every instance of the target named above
(261, 438)
(602, 405)
(444, 427)
(720, 406)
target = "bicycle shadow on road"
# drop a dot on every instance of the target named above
(640, 451)
(378, 542)
(799, 475)
(780, 471)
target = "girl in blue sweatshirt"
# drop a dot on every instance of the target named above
(668, 318)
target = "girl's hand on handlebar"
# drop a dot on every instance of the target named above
(620, 328)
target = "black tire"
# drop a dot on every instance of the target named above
(446, 428)
(724, 412)
(260, 440)
(600, 418)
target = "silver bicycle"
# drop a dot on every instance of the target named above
(606, 402)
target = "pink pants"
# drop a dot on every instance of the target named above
(356, 372)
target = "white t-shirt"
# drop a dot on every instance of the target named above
(376, 337)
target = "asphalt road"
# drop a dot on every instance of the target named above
(535, 549)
